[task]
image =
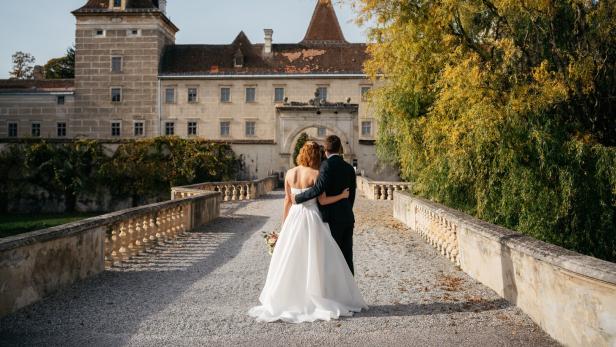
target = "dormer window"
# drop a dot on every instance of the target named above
(238, 59)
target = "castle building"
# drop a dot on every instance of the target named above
(132, 81)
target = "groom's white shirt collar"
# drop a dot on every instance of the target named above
(333, 154)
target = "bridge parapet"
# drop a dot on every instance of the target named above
(570, 295)
(380, 190)
(231, 191)
(35, 264)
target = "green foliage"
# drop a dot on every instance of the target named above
(23, 66)
(138, 170)
(63, 67)
(503, 109)
(301, 140)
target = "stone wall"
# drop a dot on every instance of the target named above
(571, 296)
(138, 78)
(36, 108)
(35, 264)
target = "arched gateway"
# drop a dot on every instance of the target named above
(339, 118)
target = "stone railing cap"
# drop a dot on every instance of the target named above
(92, 223)
(566, 259)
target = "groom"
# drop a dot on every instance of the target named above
(335, 176)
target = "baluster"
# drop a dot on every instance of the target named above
(169, 225)
(234, 193)
(132, 249)
(249, 191)
(153, 230)
(227, 193)
(138, 236)
(145, 233)
(241, 197)
(115, 245)
(390, 193)
(160, 235)
(176, 222)
(123, 243)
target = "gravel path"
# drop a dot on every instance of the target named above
(197, 291)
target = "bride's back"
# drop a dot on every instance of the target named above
(301, 177)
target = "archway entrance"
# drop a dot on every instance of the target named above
(318, 135)
(317, 122)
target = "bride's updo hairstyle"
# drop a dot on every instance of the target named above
(310, 155)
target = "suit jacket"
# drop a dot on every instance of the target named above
(335, 176)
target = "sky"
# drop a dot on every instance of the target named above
(46, 28)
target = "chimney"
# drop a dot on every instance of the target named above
(38, 73)
(162, 6)
(267, 47)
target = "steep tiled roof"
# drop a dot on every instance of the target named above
(36, 86)
(286, 58)
(103, 5)
(323, 50)
(324, 26)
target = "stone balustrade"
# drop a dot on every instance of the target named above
(571, 296)
(380, 190)
(35, 264)
(231, 191)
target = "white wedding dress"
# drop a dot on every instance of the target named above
(308, 278)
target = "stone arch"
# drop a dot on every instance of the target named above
(346, 144)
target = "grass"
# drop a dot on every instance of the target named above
(15, 224)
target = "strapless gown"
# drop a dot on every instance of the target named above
(308, 278)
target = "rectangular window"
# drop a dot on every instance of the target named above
(116, 128)
(366, 128)
(192, 128)
(60, 100)
(170, 96)
(192, 95)
(133, 32)
(225, 94)
(364, 93)
(61, 129)
(278, 94)
(322, 93)
(116, 94)
(169, 128)
(117, 3)
(321, 132)
(251, 94)
(36, 129)
(116, 64)
(139, 128)
(99, 32)
(12, 129)
(251, 128)
(225, 128)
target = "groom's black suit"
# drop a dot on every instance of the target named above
(335, 176)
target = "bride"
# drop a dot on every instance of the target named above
(308, 278)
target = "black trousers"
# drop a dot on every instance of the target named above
(343, 234)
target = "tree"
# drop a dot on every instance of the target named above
(303, 138)
(23, 66)
(63, 67)
(504, 109)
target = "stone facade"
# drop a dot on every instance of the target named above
(132, 81)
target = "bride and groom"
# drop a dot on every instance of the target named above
(310, 275)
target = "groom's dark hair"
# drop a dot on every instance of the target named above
(333, 144)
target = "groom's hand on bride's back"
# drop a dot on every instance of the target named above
(346, 193)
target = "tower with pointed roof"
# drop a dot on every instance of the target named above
(324, 27)
(118, 48)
